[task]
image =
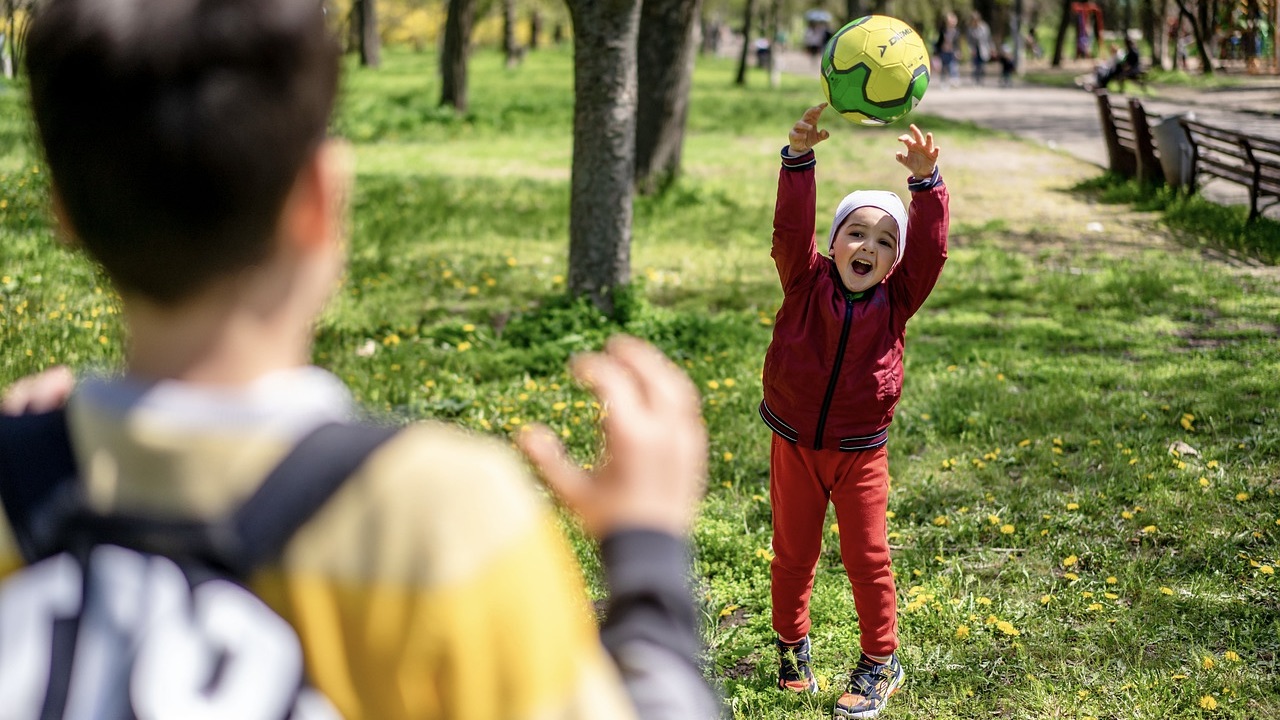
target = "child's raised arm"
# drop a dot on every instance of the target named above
(805, 133)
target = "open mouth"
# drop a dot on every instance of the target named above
(861, 267)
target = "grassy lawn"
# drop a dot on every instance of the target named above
(1085, 459)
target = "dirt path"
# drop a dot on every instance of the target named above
(1027, 186)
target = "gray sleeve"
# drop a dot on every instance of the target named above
(650, 627)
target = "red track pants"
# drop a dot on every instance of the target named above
(801, 482)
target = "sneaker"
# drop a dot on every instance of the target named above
(870, 685)
(794, 673)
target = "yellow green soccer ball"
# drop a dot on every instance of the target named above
(875, 70)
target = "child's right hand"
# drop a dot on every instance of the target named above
(805, 134)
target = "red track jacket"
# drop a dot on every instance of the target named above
(833, 372)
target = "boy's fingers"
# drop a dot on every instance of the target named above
(543, 448)
(812, 114)
(608, 380)
(823, 135)
(663, 385)
(39, 393)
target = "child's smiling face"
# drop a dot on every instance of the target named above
(865, 248)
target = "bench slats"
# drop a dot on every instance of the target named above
(1247, 160)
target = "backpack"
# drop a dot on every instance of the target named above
(123, 617)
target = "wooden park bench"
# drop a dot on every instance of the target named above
(1237, 157)
(1127, 131)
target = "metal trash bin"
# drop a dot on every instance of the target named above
(1176, 151)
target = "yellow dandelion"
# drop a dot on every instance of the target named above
(1007, 529)
(1073, 506)
(993, 519)
(765, 554)
(1211, 464)
(558, 407)
(984, 601)
(1126, 515)
(1070, 560)
(1057, 441)
(891, 514)
(1071, 576)
(941, 521)
(712, 384)
(728, 610)
(728, 457)
(1111, 596)
(1231, 656)
(1204, 482)
(1111, 580)
(1024, 442)
(1046, 599)
(464, 346)
(1007, 628)
(962, 632)
(1166, 590)
(729, 382)
(1267, 570)
(468, 328)
(1206, 662)
(1242, 496)
(512, 262)
(1208, 703)
(1095, 607)
(1149, 529)
(835, 528)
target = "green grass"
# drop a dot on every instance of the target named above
(1055, 559)
(1195, 221)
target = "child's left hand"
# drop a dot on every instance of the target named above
(921, 154)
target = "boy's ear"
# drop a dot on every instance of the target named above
(65, 232)
(315, 213)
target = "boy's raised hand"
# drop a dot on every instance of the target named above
(805, 133)
(654, 466)
(921, 155)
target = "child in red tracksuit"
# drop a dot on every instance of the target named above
(832, 377)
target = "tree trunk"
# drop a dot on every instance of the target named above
(535, 28)
(1151, 30)
(1061, 39)
(8, 47)
(509, 47)
(1206, 65)
(665, 56)
(747, 14)
(457, 48)
(370, 42)
(604, 127)
(854, 9)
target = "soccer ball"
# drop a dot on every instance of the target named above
(875, 70)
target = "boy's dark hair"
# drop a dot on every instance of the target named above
(175, 129)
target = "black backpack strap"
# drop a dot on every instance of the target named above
(37, 466)
(296, 489)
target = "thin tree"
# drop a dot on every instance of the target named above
(665, 56)
(748, 13)
(1061, 38)
(456, 52)
(1199, 28)
(510, 49)
(365, 15)
(605, 79)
